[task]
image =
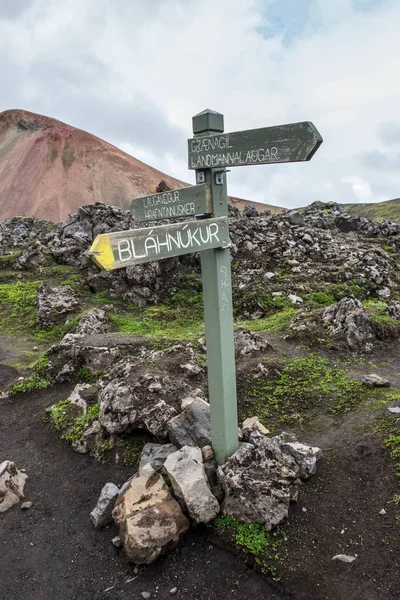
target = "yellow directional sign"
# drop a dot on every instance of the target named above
(126, 248)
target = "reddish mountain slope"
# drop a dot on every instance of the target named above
(48, 169)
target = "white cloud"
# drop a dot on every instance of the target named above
(135, 72)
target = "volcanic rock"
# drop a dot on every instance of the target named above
(55, 303)
(150, 520)
(186, 472)
(12, 482)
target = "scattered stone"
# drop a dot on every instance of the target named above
(394, 409)
(150, 520)
(173, 591)
(247, 342)
(207, 453)
(192, 427)
(186, 471)
(156, 455)
(12, 482)
(295, 299)
(382, 512)
(375, 380)
(101, 515)
(117, 541)
(26, 505)
(252, 424)
(344, 558)
(146, 595)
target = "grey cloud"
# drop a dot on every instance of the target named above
(381, 161)
(13, 9)
(390, 133)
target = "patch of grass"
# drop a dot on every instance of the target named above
(70, 419)
(159, 322)
(87, 376)
(300, 388)
(131, 447)
(280, 321)
(316, 299)
(265, 546)
(17, 306)
(37, 380)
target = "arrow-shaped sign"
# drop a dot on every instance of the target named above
(283, 143)
(185, 202)
(126, 248)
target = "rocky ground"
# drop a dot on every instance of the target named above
(317, 312)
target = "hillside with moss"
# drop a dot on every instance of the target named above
(316, 312)
(376, 211)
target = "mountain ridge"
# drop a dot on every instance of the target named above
(49, 168)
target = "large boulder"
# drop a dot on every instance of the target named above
(150, 520)
(186, 472)
(140, 394)
(54, 304)
(259, 481)
(192, 427)
(12, 482)
(348, 319)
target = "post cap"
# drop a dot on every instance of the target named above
(208, 120)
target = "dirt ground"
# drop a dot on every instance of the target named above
(53, 551)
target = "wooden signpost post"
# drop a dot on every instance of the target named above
(210, 152)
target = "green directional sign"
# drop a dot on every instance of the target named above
(126, 248)
(280, 144)
(185, 202)
(211, 151)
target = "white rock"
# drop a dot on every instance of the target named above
(150, 520)
(305, 456)
(12, 482)
(186, 471)
(252, 423)
(295, 299)
(344, 558)
(382, 512)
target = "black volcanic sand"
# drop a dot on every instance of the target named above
(53, 551)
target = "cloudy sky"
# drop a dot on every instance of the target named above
(134, 72)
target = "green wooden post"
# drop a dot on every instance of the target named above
(218, 314)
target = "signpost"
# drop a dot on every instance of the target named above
(210, 152)
(185, 202)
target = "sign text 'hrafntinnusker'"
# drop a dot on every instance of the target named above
(185, 202)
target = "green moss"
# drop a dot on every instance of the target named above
(265, 546)
(379, 211)
(320, 299)
(277, 322)
(67, 156)
(17, 305)
(70, 420)
(37, 380)
(131, 447)
(303, 385)
(159, 322)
